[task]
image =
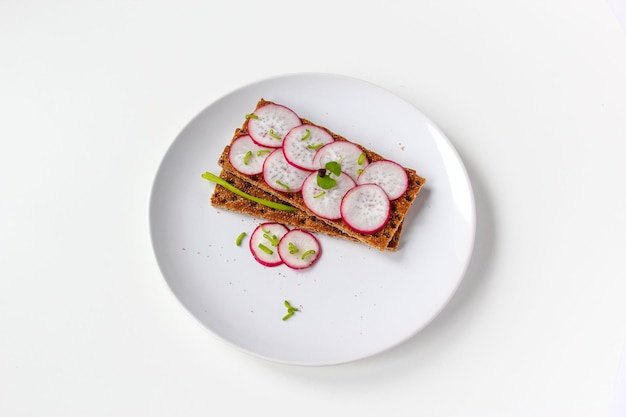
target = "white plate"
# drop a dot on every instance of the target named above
(355, 302)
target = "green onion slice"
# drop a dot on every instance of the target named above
(285, 186)
(307, 135)
(240, 238)
(274, 135)
(272, 238)
(292, 248)
(214, 178)
(265, 249)
(246, 157)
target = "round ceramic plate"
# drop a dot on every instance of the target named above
(355, 301)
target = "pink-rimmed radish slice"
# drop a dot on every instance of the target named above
(351, 158)
(264, 242)
(299, 249)
(269, 124)
(326, 203)
(390, 176)
(246, 156)
(281, 175)
(366, 208)
(301, 144)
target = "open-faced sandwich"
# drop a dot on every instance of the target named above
(286, 169)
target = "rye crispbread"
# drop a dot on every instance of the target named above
(381, 240)
(223, 198)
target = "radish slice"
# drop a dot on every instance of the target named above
(269, 124)
(389, 175)
(246, 156)
(301, 144)
(351, 158)
(299, 249)
(281, 175)
(264, 242)
(326, 203)
(366, 208)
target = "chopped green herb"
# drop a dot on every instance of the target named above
(246, 157)
(274, 135)
(319, 145)
(307, 253)
(214, 178)
(292, 248)
(320, 194)
(362, 158)
(262, 152)
(240, 238)
(291, 310)
(251, 116)
(285, 186)
(265, 249)
(272, 238)
(307, 135)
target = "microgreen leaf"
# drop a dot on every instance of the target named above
(240, 238)
(334, 167)
(320, 194)
(307, 253)
(326, 182)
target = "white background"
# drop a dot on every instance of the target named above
(532, 94)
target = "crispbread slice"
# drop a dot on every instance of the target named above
(380, 239)
(223, 198)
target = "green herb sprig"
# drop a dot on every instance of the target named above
(291, 310)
